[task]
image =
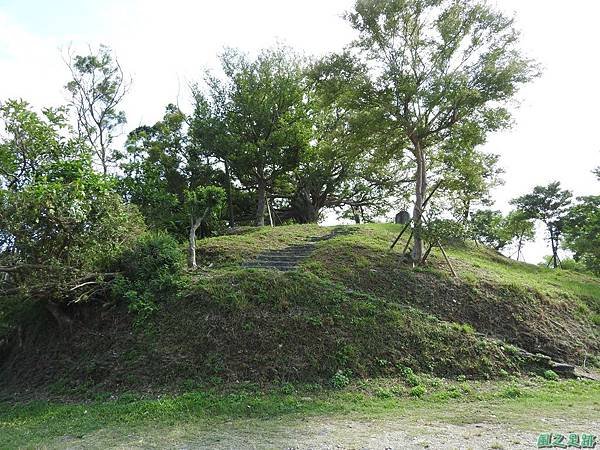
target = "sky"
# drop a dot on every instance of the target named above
(165, 46)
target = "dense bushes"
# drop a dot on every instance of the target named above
(149, 270)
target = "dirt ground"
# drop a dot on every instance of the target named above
(466, 427)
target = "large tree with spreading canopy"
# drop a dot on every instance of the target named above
(438, 65)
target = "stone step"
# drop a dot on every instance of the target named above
(285, 254)
(281, 267)
(260, 263)
(281, 257)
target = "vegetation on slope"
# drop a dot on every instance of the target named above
(353, 309)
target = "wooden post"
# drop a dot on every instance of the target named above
(446, 258)
(269, 210)
(400, 235)
(407, 242)
(435, 188)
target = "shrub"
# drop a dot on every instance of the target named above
(154, 258)
(511, 392)
(410, 377)
(418, 391)
(551, 375)
(341, 379)
(151, 268)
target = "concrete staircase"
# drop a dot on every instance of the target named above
(287, 258)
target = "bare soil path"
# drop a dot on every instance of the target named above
(472, 425)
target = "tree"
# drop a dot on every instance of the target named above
(210, 136)
(582, 232)
(487, 227)
(347, 162)
(202, 204)
(155, 171)
(549, 204)
(96, 91)
(467, 174)
(30, 141)
(519, 229)
(265, 117)
(437, 65)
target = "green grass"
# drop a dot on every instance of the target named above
(230, 250)
(342, 335)
(34, 424)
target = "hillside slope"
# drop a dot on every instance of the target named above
(351, 308)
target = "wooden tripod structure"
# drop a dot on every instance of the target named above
(439, 244)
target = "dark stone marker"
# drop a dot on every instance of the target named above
(403, 217)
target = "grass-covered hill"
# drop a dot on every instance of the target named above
(351, 309)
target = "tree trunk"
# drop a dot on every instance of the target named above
(192, 245)
(229, 195)
(260, 209)
(554, 244)
(420, 188)
(466, 212)
(355, 214)
(194, 224)
(304, 208)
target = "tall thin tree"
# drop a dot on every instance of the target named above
(96, 92)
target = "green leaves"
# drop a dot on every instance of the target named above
(32, 140)
(96, 91)
(209, 199)
(582, 232)
(546, 203)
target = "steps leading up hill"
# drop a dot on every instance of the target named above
(288, 258)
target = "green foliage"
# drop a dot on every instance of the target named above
(411, 378)
(551, 375)
(96, 91)
(153, 256)
(148, 271)
(497, 231)
(468, 174)
(486, 227)
(261, 104)
(336, 170)
(31, 141)
(513, 392)
(206, 202)
(438, 67)
(72, 216)
(61, 229)
(444, 231)
(418, 391)
(549, 204)
(341, 379)
(155, 173)
(582, 232)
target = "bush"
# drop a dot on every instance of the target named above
(341, 379)
(151, 268)
(153, 256)
(511, 392)
(418, 391)
(410, 377)
(551, 375)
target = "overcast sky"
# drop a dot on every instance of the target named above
(166, 45)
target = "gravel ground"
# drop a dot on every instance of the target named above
(515, 431)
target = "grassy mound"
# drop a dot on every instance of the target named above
(353, 309)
